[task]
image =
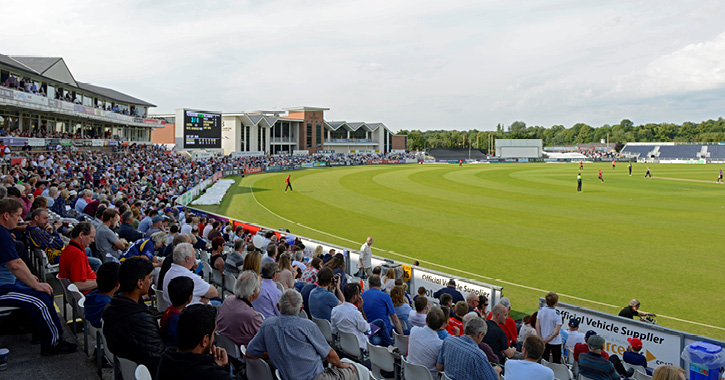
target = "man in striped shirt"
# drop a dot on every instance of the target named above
(593, 365)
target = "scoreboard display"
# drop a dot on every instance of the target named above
(202, 130)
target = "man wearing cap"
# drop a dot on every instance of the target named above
(509, 327)
(593, 365)
(633, 355)
(581, 348)
(155, 226)
(450, 289)
(574, 335)
(632, 310)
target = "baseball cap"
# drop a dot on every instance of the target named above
(596, 341)
(505, 302)
(635, 342)
(157, 219)
(589, 334)
(452, 282)
(73, 192)
(574, 322)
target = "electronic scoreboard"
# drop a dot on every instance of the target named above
(202, 130)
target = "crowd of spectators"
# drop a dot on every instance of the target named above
(126, 235)
(600, 154)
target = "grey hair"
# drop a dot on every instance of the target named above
(180, 238)
(475, 326)
(290, 302)
(159, 237)
(182, 251)
(299, 256)
(3, 192)
(247, 284)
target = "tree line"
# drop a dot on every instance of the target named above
(580, 133)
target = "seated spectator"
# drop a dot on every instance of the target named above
(509, 326)
(326, 295)
(299, 262)
(462, 359)
(74, 264)
(527, 329)
(402, 307)
(126, 230)
(266, 303)
(417, 317)
(238, 320)
(20, 288)
(196, 357)
(309, 275)
(183, 261)
(131, 331)
(421, 293)
(43, 236)
(97, 299)
(581, 348)
(147, 221)
(108, 244)
(156, 226)
(253, 262)
(423, 343)
(633, 354)
(181, 291)
(349, 318)
(286, 276)
(449, 289)
(388, 280)
(496, 337)
(337, 264)
(214, 232)
(574, 336)
(235, 260)
(668, 372)
(379, 305)
(166, 264)
(455, 323)
(147, 248)
(295, 346)
(83, 198)
(472, 301)
(529, 368)
(592, 364)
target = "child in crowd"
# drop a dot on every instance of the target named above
(417, 316)
(455, 324)
(421, 293)
(97, 299)
(181, 291)
(443, 332)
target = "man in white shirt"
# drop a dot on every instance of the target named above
(183, 262)
(348, 318)
(548, 324)
(366, 255)
(424, 344)
(574, 335)
(529, 368)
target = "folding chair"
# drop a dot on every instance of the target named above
(258, 369)
(79, 311)
(401, 342)
(128, 368)
(142, 373)
(561, 371)
(381, 360)
(350, 346)
(415, 371)
(326, 329)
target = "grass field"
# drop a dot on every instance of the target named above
(523, 227)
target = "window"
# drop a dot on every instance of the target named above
(309, 135)
(319, 135)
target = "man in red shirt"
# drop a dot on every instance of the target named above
(510, 326)
(581, 348)
(289, 183)
(74, 262)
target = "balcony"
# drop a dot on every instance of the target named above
(350, 141)
(283, 140)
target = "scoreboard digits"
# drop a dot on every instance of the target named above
(202, 130)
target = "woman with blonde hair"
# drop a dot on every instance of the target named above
(668, 372)
(253, 261)
(388, 280)
(286, 276)
(318, 252)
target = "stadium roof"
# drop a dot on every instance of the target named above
(303, 108)
(55, 69)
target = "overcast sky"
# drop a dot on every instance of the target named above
(409, 64)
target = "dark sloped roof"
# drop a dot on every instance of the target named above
(255, 118)
(37, 64)
(113, 94)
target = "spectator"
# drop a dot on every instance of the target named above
(455, 322)
(83, 198)
(295, 346)
(196, 357)
(107, 242)
(581, 348)
(574, 336)
(217, 254)
(74, 264)
(462, 359)
(526, 328)
(181, 291)
(131, 331)
(421, 293)
(183, 261)
(97, 299)
(450, 289)
(379, 305)
(126, 230)
(156, 223)
(147, 221)
(668, 372)
(286, 276)
(423, 343)
(366, 256)
(388, 280)
(337, 264)
(235, 260)
(417, 317)
(349, 318)
(147, 248)
(20, 288)
(266, 303)
(309, 275)
(496, 337)
(592, 364)
(548, 324)
(214, 232)
(326, 295)
(43, 236)
(166, 264)
(472, 301)
(509, 326)
(529, 368)
(402, 307)
(253, 261)
(238, 320)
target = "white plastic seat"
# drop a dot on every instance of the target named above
(415, 371)
(326, 329)
(639, 368)
(561, 371)
(161, 304)
(641, 375)
(142, 373)
(350, 346)
(258, 369)
(78, 301)
(380, 360)
(128, 368)
(228, 345)
(444, 376)
(401, 342)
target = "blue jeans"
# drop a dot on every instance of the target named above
(93, 261)
(382, 337)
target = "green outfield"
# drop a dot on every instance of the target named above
(523, 227)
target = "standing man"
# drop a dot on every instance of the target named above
(719, 177)
(629, 167)
(648, 173)
(600, 175)
(613, 163)
(366, 256)
(548, 324)
(581, 165)
(289, 183)
(19, 287)
(579, 183)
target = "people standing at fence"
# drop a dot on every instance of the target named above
(548, 325)
(289, 183)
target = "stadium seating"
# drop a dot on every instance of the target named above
(716, 152)
(456, 154)
(415, 371)
(381, 360)
(640, 151)
(401, 342)
(679, 151)
(350, 346)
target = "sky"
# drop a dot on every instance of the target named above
(409, 64)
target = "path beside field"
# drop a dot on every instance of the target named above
(683, 179)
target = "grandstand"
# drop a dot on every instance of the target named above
(716, 152)
(674, 152)
(456, 154)
(638, 151)
(681, 152)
